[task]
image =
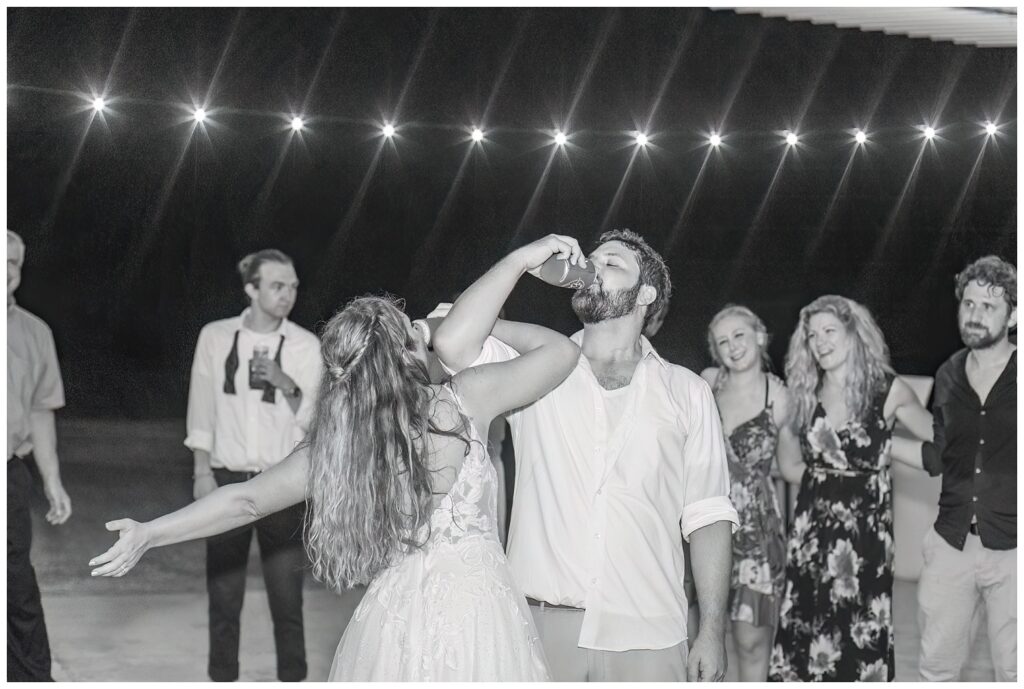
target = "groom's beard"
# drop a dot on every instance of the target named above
(593, 304)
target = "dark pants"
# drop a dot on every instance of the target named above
(284, 559)
(28, 647)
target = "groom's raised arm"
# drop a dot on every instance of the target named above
(460, 338)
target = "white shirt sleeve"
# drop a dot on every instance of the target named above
(201, 418)
(49, 391)
(493, 351)
(705, 467)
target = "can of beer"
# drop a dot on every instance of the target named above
(561, 273)
(260, 351)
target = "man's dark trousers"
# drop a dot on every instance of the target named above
(28, 647)
(284, 560)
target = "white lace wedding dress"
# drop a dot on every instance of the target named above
(450, 611)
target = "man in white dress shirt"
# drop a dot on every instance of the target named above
(253, 387)
(612, 467)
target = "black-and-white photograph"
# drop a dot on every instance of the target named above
(576, 344)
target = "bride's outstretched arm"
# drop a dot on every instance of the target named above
(224, 509)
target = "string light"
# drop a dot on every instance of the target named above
(100, 104)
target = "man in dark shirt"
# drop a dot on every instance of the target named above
(971, 555)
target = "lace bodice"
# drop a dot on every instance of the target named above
(471, 506)
(450, 609)
(462, 527)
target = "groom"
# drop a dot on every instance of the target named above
(612, 465)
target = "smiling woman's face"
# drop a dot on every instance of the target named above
(828, 340)
(737, 343)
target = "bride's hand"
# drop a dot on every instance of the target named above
(132, 543)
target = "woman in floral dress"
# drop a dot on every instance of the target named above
(754, 404)
(836, 621)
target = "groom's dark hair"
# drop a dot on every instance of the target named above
(653, 270)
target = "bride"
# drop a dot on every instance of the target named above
(402, 497)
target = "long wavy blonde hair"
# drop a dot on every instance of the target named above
(868, 364)
(369, 483)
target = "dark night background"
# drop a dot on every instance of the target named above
(127, 260)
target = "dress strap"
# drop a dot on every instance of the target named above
(467, 419)
(767, 378)
(458, 400)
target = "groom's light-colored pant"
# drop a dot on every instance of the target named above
(559, 631)
(953, 586)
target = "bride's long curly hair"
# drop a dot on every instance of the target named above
(369, 483)
(867, 367)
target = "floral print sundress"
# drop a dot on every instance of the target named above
(758, 546)
(836, 618)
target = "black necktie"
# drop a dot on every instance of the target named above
(268, 389)
(231, 367)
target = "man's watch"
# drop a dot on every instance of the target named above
(293, 391)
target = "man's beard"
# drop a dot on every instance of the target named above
(980, 337)
(595, 305)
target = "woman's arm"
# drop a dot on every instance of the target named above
(523, 337)
(907, 451)
(791, 461)
(492, 389)
(224, 509)
(909, 411)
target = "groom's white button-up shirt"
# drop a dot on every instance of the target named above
(600, 502)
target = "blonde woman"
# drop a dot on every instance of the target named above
(402, 498)
(755, 408)
(836, 619)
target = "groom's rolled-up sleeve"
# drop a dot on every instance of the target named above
(705, 467)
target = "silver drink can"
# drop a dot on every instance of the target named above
(562, 273)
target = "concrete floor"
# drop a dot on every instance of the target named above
(151, 624)
(163, 636)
